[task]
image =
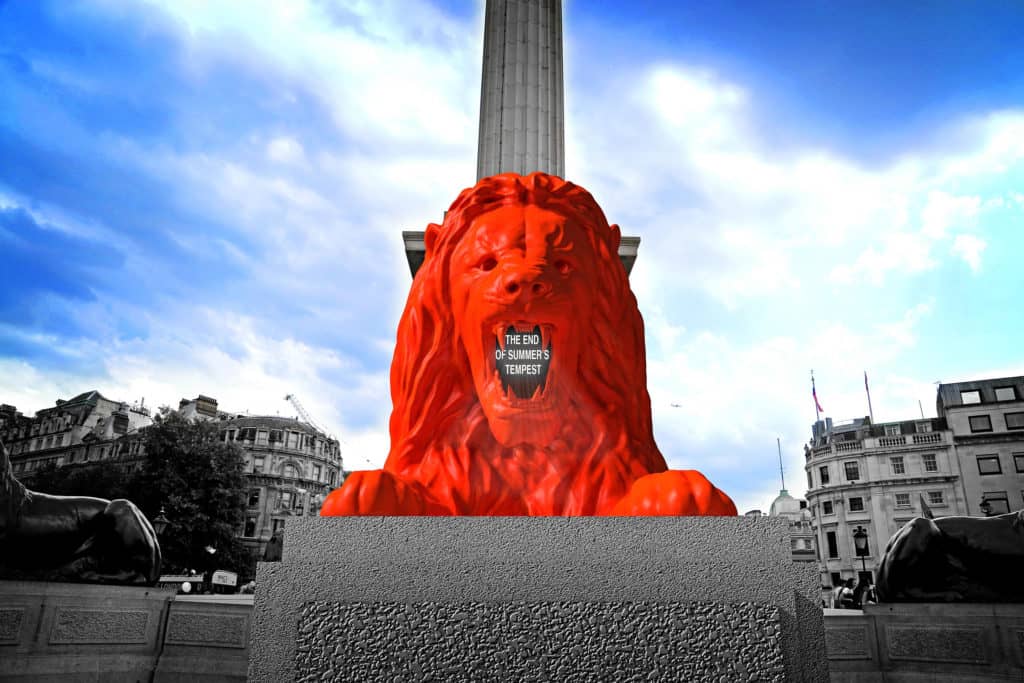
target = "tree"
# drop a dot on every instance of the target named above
(198, 481)
(111, 480)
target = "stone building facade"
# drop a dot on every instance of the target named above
(801, 533)
(874, 477)
(986, 418)
(290, 466)
(877, 477)
(85, 429)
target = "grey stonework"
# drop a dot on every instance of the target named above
(531, 641)
(522, 121)
(342, 579)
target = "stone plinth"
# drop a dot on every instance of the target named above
(958, 643)
(65, 631)
(500, 598)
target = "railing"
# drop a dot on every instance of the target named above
(877, 442)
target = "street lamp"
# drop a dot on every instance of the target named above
(160, 522)
(860, 543)
(986, 507)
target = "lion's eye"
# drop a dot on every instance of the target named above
(487, 263)
(563, 266)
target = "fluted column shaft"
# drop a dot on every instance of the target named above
(521, 94)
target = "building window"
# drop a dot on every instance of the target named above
(856, 505)
(1006, 394)
(936, 498)
(989, 464)
(980, 423)
(254, 497)
(893, 430)
(826, 507)
(257, 463)
(286, 499)
(897, 465)
(852, 471)
(317, 471)
(1018, 461)
(330, 477)
(929, 462)
(823, 471)
(833, 546)
(250, 527)
(278, 525)
(810, 481)
(970, 397)
(998, 500)
(261, 437)
(923, 427)
(902, 500)
(1014, 420)
(289, 471)
(275, 436)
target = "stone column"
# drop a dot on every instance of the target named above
(521, 94)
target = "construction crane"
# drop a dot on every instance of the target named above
(304, 415)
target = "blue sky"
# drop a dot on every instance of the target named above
(208, 198)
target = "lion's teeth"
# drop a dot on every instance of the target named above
(536, 392)
(545, 336)
(510, 395)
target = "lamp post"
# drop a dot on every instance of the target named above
(160, 522)
(860, 543)
(986, 507)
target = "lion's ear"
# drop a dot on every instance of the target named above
(616, 237)
(430, 236)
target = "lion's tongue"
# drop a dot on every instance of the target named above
(523, 364)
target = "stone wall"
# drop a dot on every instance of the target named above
(82, 632)
(958, 643)
(500, 598)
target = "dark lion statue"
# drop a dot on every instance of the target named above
(519, 376)
(955, 559)
(72, 538)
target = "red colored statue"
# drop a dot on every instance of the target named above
(519, 379)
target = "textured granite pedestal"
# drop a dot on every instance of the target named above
(511, 598)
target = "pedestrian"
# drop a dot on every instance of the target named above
(846, 595)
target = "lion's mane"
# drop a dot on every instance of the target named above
(437, 415)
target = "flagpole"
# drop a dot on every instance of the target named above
(814, 393)
(867, 389)
(781, 473)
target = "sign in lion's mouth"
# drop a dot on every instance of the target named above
(522, 356)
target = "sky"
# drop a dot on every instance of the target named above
(209, 197)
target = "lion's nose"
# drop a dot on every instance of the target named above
(520, 285)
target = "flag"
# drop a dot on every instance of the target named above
(814, 393)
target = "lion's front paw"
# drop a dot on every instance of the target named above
(378, 492)
(676, 493)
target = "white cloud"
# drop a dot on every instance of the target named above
(970, 248)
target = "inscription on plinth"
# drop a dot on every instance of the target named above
(99, 626)
(10, 625)
(207, 630)
(539, 641)
(938, 644)
(847, 643)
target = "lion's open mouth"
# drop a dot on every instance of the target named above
(522, 356)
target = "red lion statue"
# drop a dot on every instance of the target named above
(519, 379)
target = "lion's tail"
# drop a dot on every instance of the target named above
(13, 493)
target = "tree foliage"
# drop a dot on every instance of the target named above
(110, 481)
(198, 481)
